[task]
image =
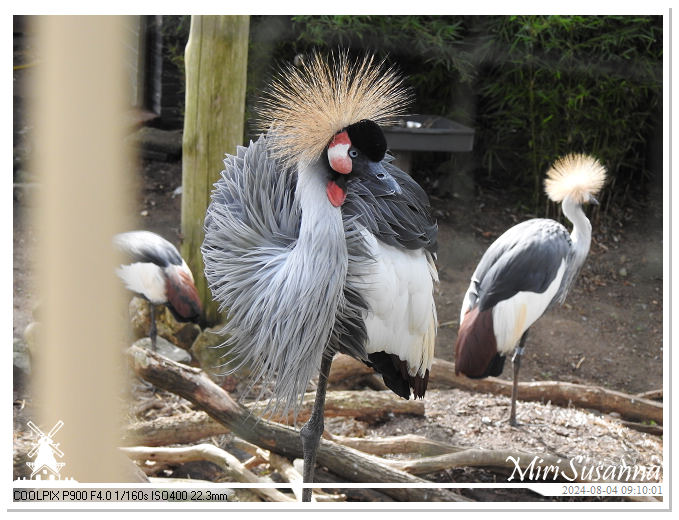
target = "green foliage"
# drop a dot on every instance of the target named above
(533, 87)
(271, 43)
(550, 85)
(175, 31)
(428, 50)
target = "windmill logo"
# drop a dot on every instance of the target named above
(45, 465)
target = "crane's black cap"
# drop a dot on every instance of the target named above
(367, 136)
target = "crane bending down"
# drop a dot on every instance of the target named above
(155, 270)
(527, 269)
(316, 244)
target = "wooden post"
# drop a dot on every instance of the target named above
(216, 72)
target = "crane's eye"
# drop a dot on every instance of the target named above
(353, 153)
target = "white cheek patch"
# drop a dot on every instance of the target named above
(338, 156)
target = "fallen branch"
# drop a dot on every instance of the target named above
(397, 444)
(283, 466)
(353, 494)
(346, 372)
(190, 427)
(656, 395)
(254, 461)
(287, 470)
(245, 446)
(185, 428)
(330, 497)
(352, 465)
(635, 407)
(653, 429)
(230, 464)
(551, 468)
(365, 405)
(345, 369)
(559, 393)
(494, 459)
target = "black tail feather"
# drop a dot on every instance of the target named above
(394, 372)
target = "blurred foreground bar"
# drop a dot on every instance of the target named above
(80, 157)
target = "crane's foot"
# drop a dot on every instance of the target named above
(513, 422)
(311, 436)
(311, 432)
(153, 332)
(516, 363)
(512, 416)
(145, 385)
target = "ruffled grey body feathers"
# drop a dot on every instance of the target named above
(290, 294)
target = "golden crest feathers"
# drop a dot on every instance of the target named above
(306, 106)
(575, 175)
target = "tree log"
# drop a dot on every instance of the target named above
(290, 474)
(185, 428)
(230, 464)
(494, 459)
(656, 395)
(346, 371)
(397, 444)
(350, 464)
(653, 429)
(635, 407)
(245, 446)
(353, 494)
(365, 405)
(506, 461)
(284, 467)
(559, 393)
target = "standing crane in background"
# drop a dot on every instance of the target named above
(317, 244)
(155, 270)
(527, 269)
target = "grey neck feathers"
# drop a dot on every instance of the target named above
(321, 228)
(314, 274)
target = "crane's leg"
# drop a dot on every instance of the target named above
(516, 363)
(154, 331)
(311, 432)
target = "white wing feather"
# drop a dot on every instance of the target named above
(401, 318)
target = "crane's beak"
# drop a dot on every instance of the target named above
(383, 183)
(592, 200)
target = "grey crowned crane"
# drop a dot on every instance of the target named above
(526, 270)
(155, 270)
(317, 244)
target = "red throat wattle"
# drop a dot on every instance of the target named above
(336, 195)
(340, 162)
